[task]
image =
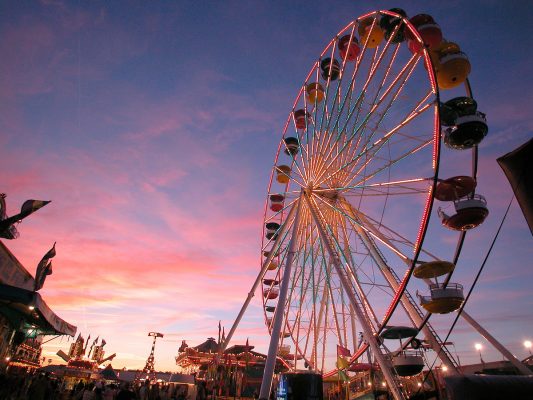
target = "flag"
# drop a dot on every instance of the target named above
(30, 206)
(7, 228)
(343, 351)
(247, 355)
(517, 166)
(86, 344)
(44, 268)
(92, 345)
(343, 376)
(342, 363)
(63, 355)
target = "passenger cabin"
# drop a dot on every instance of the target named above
(451, 65)
(469, 213)
(429, 31)
(466, 126)
(292, 146)
(301, 119)
(406, 362)
(370, 32)
(271, 294)
(276, 202)
(452, 189)
(272, 229)
(283, 173)
(272, 265)
(443, 298)
(331, 69)
(315, 92)
(284, 349)
(393, 26)
(349, 47)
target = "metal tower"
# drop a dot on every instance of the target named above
(148, 369)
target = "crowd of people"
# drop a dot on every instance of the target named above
(43, 386)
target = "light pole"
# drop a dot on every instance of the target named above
(478, 347)
(527, 345)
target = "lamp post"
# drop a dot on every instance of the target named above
(478, 347)
(527, 345)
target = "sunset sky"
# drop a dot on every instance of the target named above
(153, 125)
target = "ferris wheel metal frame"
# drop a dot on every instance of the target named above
(323, 218)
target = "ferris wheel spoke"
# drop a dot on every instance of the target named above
(356, 281)
(418, 109)
(375, 100)
(347, 96)
(325, 114)
(374, 149)
(403, 156)
(351, 214)
(367, 309)
(288, 308)
(311, 259)
(361, 95)
(300, 169)
(407, 72)
(352, 153)
(393, 235)
(281, 212)
(420, 185)
(372, 71)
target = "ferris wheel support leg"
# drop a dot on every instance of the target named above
(281, 232)
(492, 340)
(270, 363)
(386, 367)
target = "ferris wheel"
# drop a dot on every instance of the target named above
(371, 193)
(348, 238)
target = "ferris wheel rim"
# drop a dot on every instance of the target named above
(436, 151)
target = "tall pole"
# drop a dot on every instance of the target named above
(270, 363)
(506, 353)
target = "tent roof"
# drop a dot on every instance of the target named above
(209, 346)
(26, 306)
(109, 374)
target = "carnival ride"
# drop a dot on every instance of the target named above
(148, 372)
(350, 235)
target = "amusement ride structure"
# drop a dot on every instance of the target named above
(148, 372)
(371, 195)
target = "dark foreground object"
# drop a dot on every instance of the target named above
(300, 386)
(489, 387)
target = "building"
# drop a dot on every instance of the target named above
(24, 316)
